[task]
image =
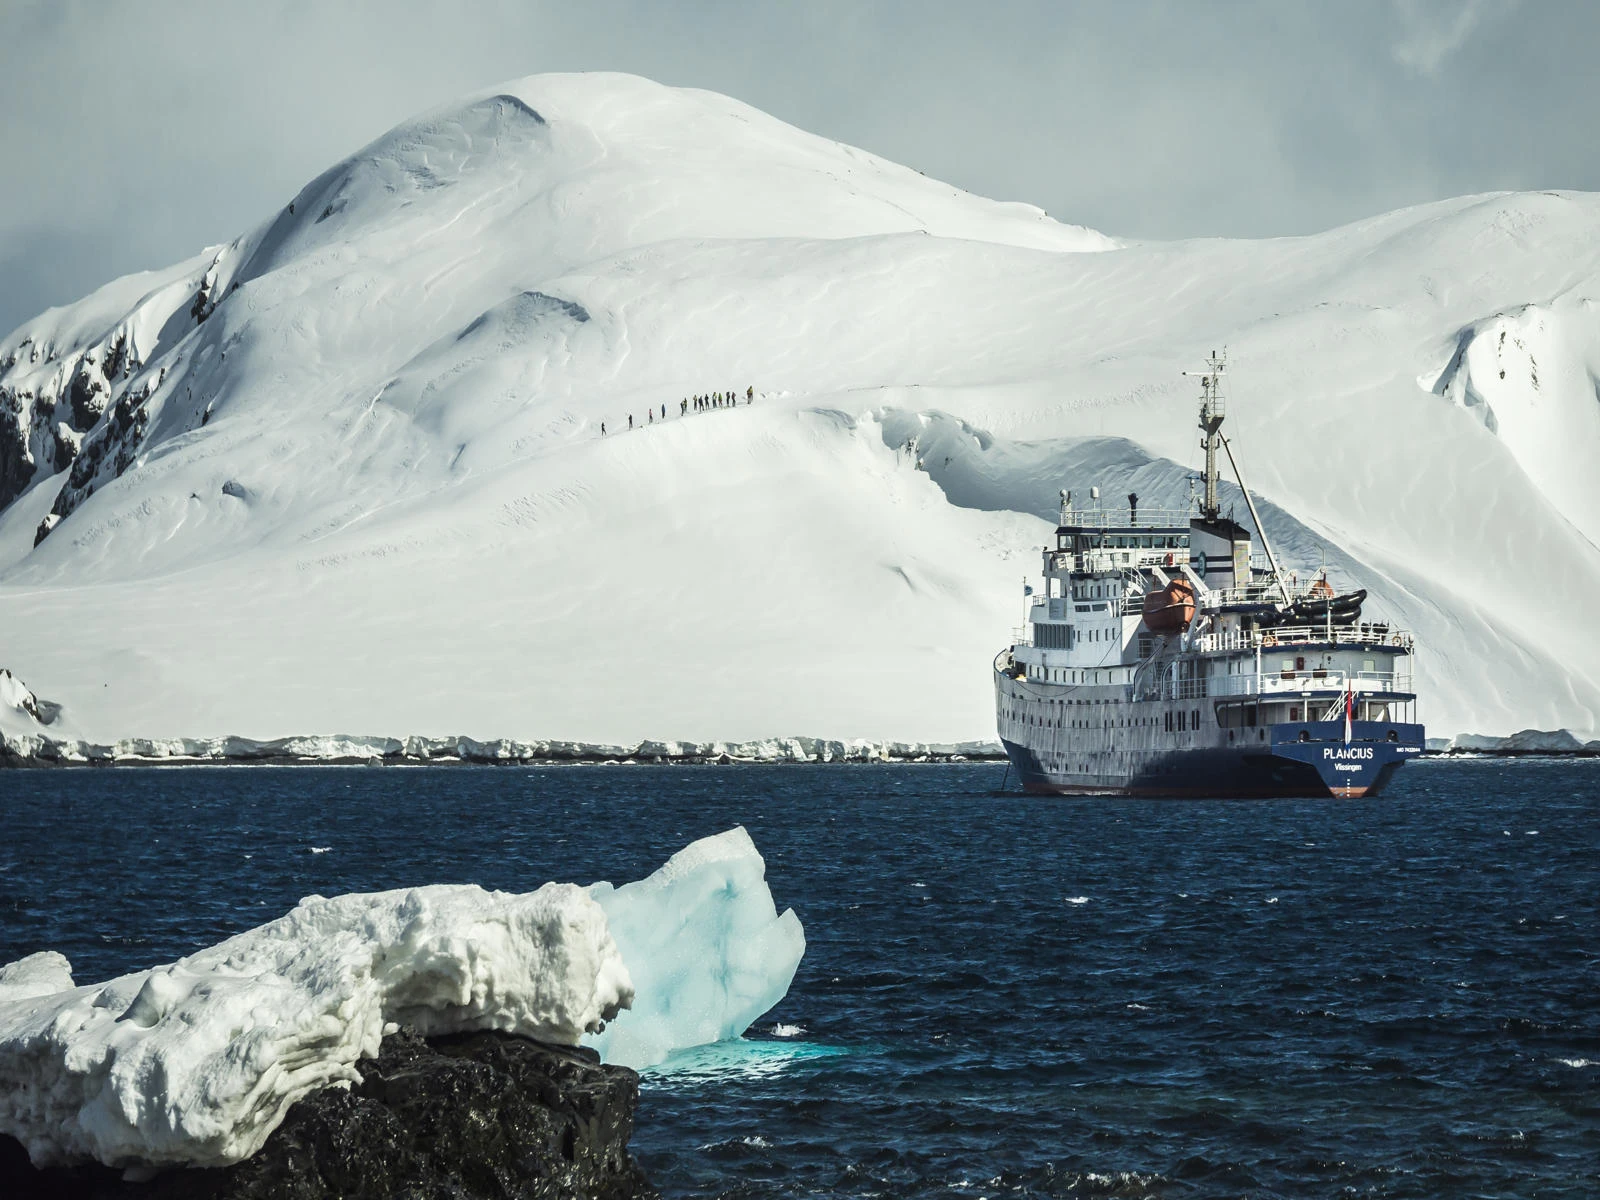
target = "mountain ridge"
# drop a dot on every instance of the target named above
(371, 426)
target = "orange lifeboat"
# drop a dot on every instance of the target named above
(1169, 609)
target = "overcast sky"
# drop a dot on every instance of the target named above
(135, 133)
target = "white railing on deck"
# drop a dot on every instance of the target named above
(1252, 593)
(1362, 634)
(1286, 684)
(1106, 561)
(1118, 517)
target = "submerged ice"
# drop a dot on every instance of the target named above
(198, 1061)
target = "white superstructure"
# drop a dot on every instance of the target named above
(1164, 657)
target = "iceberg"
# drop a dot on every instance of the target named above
(198, 1061)
(706, 949)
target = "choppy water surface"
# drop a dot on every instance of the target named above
(1002, 995)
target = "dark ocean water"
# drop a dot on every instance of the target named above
(1002, 995)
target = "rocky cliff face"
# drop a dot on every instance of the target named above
(80, 407)
(475, 1115)
(50, 403)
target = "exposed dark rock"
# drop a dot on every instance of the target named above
(16, 468)
(87, 394)
(44, 424)
(106, 453)
(476, 1115)
(118, 360)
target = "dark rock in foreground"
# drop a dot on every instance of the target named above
(462, 1117)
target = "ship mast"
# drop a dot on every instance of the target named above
(1212, 412)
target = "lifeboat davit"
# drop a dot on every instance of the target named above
(1169, 609)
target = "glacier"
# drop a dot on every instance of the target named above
(197, 1062)
(345, 472)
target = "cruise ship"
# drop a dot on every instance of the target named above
(1165, 657)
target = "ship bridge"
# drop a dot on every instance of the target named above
(1098, 541)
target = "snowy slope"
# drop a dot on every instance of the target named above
(345, 473)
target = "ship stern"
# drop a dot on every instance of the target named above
(1350, 764)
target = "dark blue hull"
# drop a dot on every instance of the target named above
(1304, 759)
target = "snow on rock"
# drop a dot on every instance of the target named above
(346, 471)
(197, 1061)
(705, 946)
(22, 713)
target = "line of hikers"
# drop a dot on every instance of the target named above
(700, 403)
(716, 400)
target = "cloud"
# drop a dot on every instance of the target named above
(137, 134)
(1433, 31)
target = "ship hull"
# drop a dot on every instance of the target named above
(1090, 741)
(1287, 769)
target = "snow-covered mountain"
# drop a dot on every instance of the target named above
(346, 473)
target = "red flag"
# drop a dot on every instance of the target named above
(1349, 709)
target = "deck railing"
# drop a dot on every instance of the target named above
(1118, 517)
(1287, 684)
(1363, 633)
(1123, 558)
